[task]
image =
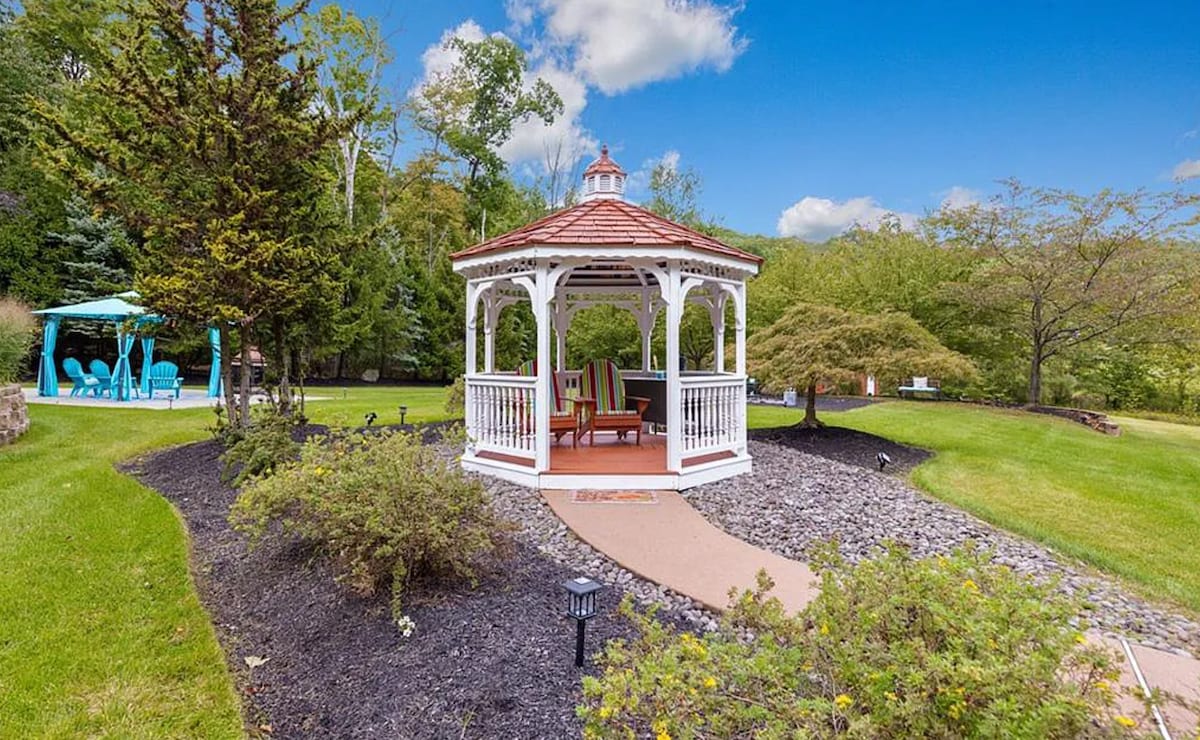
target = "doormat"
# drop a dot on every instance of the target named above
(613, 497)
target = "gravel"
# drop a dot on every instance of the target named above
(793, 502)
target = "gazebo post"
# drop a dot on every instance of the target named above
(674, 301)
(543, 294)
(717, 314)
(645, 319)
(491, 317)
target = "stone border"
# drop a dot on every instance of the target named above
(14, 413)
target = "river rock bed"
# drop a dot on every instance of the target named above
(793, 502)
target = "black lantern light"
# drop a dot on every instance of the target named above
(581, 606)
(403, 412)
(370, 417)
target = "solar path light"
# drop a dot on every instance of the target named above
(581, 606)
(403, 413)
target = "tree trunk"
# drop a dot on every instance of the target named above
(227, 378)
(283, 358)
(810, 408)
(1035, 378)
(244, 380)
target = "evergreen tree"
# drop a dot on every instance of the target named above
(102, 250)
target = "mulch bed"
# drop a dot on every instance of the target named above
(847, 446)
(491, 662)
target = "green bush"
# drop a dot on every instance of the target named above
(894, 648)
(258, 450)
(456, 398)
(388, 509)
(17, 327)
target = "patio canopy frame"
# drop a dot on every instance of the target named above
(128, 318)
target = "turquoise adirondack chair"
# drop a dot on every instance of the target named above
(164, 376)
(84, 383)
(103, 375)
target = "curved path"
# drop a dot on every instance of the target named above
(660, 537)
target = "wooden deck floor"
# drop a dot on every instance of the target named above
(610, 455)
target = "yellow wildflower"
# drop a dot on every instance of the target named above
(890, 696)
(842, 701)
(662, 736)
(605, 712)
(1124, 721)
(710, 683)
(970, 585)
(824, 628)
(1079, 638)
(1102, 685)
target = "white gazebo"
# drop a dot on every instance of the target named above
(606, 250)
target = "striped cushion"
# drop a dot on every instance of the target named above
(529, 369)
(602, 381)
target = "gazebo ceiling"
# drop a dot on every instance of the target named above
(606, 222)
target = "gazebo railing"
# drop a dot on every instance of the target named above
(714, 414)
(500, 414)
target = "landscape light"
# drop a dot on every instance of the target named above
(581, 606)
(403, 411)
(883, 459)
(371, 417)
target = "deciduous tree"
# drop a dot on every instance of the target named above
(1067, 269)
(811, 344)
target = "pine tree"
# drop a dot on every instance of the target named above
(103, 252)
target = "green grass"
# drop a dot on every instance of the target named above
(1129, 505)
(101, 631)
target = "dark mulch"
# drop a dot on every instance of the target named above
(493, 662)
(845, 445)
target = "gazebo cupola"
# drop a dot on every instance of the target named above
(690, 422)
(603, 178)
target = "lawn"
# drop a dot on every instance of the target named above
(102, 631)
(1129, 505)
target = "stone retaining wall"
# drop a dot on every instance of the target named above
(14, 416)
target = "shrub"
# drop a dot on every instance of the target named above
(388, 509)
(17, 331)
(456, 398)
(259, 449)
(894, 647)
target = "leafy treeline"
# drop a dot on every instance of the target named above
(236, 162)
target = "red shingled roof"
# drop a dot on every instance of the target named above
(603, 165)
(603, 222)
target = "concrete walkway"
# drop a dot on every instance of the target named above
(660, 537)
(670, 543)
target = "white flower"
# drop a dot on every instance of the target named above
(406, 625)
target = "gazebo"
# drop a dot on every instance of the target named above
(606, 250)
(129, 318)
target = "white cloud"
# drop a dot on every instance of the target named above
(960, 197)
(439, 59)
(818, 219)
(1186, 170)
(618, 45)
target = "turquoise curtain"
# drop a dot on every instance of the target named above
(47, 374)
(214, 374)
(147, 363)
(122, 375)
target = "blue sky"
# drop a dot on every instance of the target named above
(802, 118)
